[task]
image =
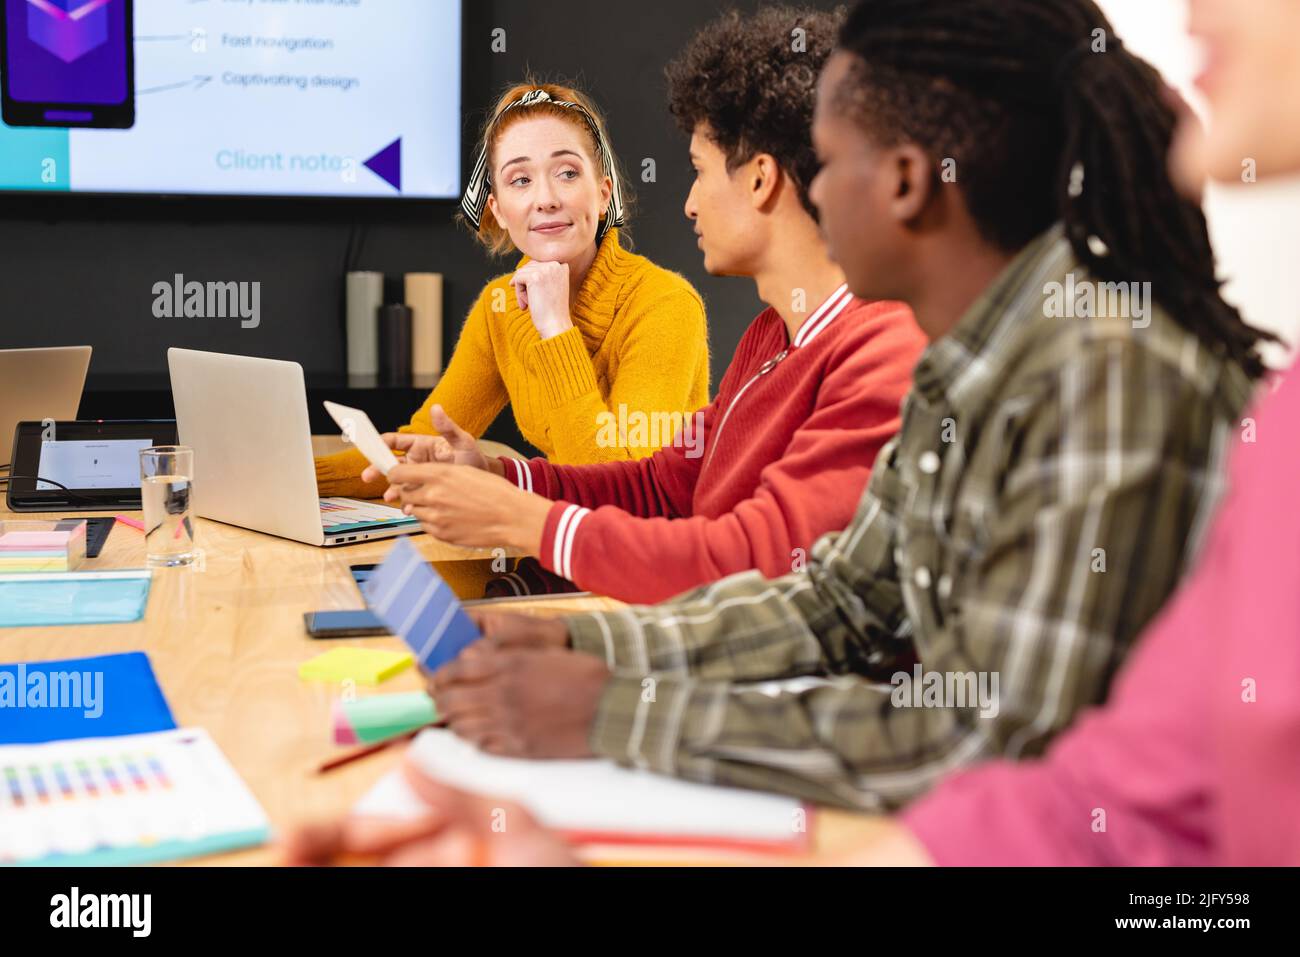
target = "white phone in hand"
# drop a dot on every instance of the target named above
(361, 432)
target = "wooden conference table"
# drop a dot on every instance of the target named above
(226, 640)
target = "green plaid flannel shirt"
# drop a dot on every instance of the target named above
(1049, 485)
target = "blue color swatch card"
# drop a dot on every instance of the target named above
(413, 601)
(81, 698)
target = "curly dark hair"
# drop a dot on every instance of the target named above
(753, 80)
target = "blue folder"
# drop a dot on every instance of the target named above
(81, 698)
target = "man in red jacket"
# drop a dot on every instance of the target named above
(783, 453)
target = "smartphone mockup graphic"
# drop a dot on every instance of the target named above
(68, 63)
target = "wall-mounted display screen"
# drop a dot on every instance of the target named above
(355, 98)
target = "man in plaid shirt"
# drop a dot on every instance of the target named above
(1059, 458)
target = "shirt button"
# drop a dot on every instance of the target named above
(929, 463)
(945, 586)
(922, 577)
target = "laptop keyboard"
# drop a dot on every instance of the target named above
(345, 515)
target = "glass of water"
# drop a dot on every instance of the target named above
(166, 481)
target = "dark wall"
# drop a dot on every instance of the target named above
(77, 270)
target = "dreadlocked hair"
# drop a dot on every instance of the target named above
(1048, 118)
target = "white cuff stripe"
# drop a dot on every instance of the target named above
(567, 570)
(523, 475)
(557, 551)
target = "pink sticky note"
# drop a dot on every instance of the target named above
(343, 733)
(21, 541)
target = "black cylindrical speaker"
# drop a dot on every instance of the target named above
(395, 345)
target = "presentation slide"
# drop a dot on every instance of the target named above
(347, 98)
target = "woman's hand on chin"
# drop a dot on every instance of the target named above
(543, 289)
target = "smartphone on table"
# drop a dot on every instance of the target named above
(358, 623)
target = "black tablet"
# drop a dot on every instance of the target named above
(86, 466)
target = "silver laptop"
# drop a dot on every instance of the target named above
(246, 420)
(39, 384)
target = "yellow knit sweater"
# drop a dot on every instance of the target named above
(639, 339)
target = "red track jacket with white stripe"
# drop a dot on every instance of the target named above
(779, 458)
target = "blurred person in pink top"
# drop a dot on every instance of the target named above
(1192, 761)
(1194, 758)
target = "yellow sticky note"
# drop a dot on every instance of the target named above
(366, 666)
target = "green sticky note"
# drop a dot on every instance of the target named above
(383, 716)
(365, 666)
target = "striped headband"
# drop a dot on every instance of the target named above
(480, 181)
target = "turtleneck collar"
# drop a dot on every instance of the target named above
(601, 292)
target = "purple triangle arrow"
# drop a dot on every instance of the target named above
(387, 164)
